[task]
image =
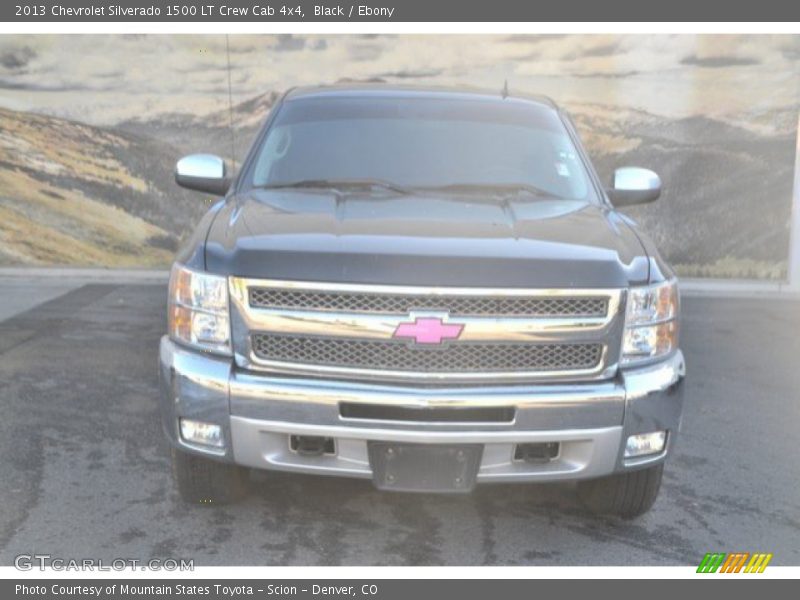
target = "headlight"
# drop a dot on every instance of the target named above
(198, 310)
(651, 322)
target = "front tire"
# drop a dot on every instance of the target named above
(208, 482)
(627, 495)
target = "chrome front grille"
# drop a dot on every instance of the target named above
(493, 306)
(353, 331)
(395, 355)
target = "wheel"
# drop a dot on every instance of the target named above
(208, 482)
(627, 495)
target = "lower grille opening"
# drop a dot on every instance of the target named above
(540, 452)
(307, 445)
(503, 414)
(462, 358)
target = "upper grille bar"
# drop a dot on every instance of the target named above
(455, 305)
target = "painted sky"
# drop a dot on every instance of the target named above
(106, 79)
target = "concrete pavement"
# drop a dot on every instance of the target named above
(85, 468)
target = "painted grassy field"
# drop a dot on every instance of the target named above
(69, 195)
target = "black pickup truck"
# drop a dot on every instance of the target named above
(428, 288)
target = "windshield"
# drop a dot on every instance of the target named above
(405, 143)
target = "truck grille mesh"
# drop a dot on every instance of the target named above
(393, 355)
(494, 306)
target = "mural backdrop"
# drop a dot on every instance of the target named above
(91, 126)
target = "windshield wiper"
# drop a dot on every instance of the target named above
(337, 184)
(501, 189)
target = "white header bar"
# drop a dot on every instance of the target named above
(390, 28)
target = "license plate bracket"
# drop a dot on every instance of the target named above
(424, 467)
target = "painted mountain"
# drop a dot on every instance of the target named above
(72, 193)
(726, 206)
(88, 147)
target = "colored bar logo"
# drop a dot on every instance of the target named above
(737, 562)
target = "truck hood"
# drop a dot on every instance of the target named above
(423, 240)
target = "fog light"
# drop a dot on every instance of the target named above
(645, 443)
(199, 432)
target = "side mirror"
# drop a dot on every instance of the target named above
(633, 185)
(203, 173)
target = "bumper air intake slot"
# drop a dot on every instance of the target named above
(504, 414)
(540, 452)
(307, 445)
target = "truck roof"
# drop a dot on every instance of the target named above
(383, 90)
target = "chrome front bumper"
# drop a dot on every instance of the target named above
(258, 414)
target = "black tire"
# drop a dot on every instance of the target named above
(627, 495)
(208, 482)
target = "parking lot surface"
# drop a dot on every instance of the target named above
(85, 467)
